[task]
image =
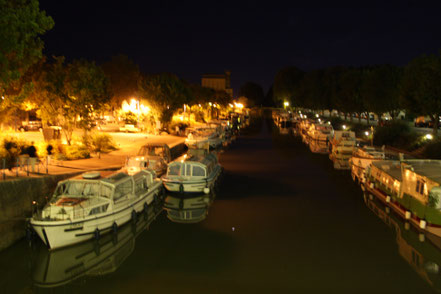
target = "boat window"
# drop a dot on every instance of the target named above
(188, 170)
(122, 190)
(140, 186)
(198, 171)
(420, 187)
(106, 191)
(174, 170)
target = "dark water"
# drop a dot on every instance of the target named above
(283, 221)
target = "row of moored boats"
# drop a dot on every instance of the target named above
(410, 187)
(94, 203)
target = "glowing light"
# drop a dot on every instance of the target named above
(286, 103)
(429, 137)
(200, 105)
(366, 133)
(329, 122)
(316, 115)
(209, 103)
(319, 120)
(344, 127)
(181, 117)
(214, 105)
(231, 105)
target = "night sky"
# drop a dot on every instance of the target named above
(252, 39)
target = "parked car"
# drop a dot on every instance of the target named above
(32, 125)
(129, 128)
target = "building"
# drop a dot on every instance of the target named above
(218, 82)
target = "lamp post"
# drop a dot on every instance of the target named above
(285, 104)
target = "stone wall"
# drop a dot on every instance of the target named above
(16, 198)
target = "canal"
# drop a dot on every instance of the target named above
(283, 221)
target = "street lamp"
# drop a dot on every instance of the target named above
(285, 104)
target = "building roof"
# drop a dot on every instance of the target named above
(213, 76)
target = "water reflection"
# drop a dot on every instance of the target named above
(92, 258)
(188, 208)
(423, 253)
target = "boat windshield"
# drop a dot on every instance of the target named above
(174, 170)
(81, 188)
(151, 151)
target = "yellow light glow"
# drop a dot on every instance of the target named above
(209, 103)
(286, 103)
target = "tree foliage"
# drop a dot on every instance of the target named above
(286, 85)
(421, 87)
(253, 92)
(166, 92)
(123, 75)
(21, 22)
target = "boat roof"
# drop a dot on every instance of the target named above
(429, 168)
(102, 175)
(390, 167)
(205, 159)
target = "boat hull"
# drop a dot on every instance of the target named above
(56, 234)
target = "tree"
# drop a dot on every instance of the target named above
(286, 85)
(421, 87)
(69, 95)
(380, 90)
(166, 93)
(87, 90)
(21, 22)
(123, 75)
(269, 98)
(350, 99)
(253, 92)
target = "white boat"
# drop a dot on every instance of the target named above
(195, 173)
(187, 209)
(342, 147)
(86, 206)
(200, 137)
(154, 156)
(361, 159)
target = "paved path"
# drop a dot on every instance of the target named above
(128, 145)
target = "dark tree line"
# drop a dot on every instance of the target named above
(378, 89)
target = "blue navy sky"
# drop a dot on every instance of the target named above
(252, 39)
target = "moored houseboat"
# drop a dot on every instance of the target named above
(342, 147)
(362, 157)
(154, 156)
(86, 206)
(197, 172)
(319, 135)
(411, 188)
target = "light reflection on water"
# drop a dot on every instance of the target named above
(92, 258)
(187, 208)
(421, 252)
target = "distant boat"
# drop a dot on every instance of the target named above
(154, 156)
(342, 147)
(362, 158)
(86, 206)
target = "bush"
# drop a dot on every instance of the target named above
(73, 152)
(396, 134)
(102, 143)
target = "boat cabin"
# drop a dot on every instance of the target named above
(196, 167)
